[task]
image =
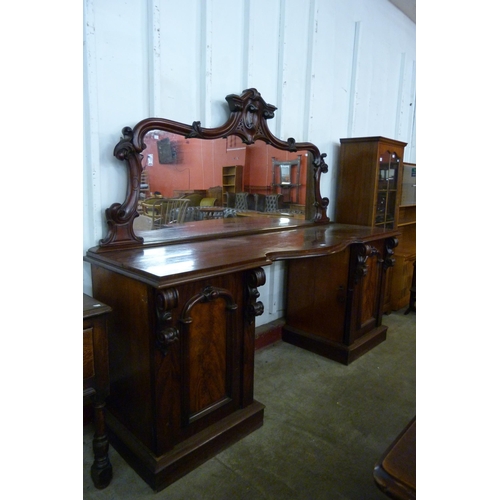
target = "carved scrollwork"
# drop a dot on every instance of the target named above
(125, 148)
(362, 253)
(292, 145)
(208, 294)
(166, 333)
(390, 245)
(253, 308)
(120, 217)
(196, 131)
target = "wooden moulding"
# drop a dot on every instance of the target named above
(337, 351)
(159, 472)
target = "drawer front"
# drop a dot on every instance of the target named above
(88, 354)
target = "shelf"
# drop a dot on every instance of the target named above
(232, 180)
(407, 215)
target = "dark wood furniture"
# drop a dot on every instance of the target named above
(396, 472)
(96, 382)
(406, 253)
(182, 336)
(413, 291)
(369, 187)
(342, 317)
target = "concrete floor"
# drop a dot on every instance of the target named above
(325, 426)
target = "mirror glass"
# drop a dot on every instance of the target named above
(219, 178)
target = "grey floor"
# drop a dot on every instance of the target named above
(325, 426)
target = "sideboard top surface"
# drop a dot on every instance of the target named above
(166, 265)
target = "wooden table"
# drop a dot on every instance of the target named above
(96, 382)
(212, 212)
(395, 474)
(255, 213)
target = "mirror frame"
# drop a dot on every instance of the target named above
(247, 120)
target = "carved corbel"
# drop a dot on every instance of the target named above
(362, 253)
(389, 260)
(166, 333)
(253, 308)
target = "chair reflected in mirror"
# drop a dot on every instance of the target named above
(172, 211)
(163, 211)
(151, 208)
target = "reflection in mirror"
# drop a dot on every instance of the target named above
(217, 179)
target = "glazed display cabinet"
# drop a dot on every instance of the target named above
(369, 184)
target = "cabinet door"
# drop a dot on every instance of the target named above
(204, 354)
(387, 189)
(366, 281)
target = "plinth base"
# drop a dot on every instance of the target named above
(342, 353)
(160, 471)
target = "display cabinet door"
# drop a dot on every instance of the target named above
(387, 189)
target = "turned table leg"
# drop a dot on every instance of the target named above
(101, 470)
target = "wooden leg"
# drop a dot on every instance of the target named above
(101, 470)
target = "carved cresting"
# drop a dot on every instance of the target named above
(248, 120)
(254, 279)
(166, 333)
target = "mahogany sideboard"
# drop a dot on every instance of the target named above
(182, 332)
